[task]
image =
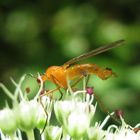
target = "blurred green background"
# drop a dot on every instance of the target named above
(37, 34)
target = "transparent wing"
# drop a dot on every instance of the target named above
(94, 52)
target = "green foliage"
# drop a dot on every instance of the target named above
(38, 34)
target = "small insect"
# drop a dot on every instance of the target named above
(70, 70)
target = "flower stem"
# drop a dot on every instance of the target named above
(30, 135)
(8, 93)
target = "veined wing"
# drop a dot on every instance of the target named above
(94, 52)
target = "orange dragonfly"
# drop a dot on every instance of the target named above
(70, 71)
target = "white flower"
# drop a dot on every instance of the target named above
(53, 133)
(96, 133)
(62, 109)
(125, 132)
(8, 122)
(27, 114)
(42, 118)
(77, 124)
(74, 116)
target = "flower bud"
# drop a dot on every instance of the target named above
(74, 116)
(42, 119)
(62, 109)
(90, 90)
(53, 133)
(119, 113)
(77, 124)
(28, 112)
(95, 133)
(8, 123)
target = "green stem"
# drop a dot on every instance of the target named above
(7, 92)
(30, 135)
(65, 135)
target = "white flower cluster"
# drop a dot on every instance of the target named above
(25, 115)
(66, 119)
